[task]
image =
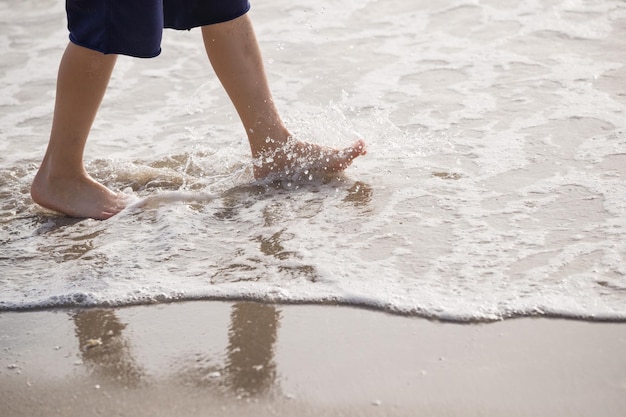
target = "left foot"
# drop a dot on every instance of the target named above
(299, 157)
(76, 196)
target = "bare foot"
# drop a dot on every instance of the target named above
(76, 196)
(300, 157)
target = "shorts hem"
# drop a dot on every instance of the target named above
(208, 22)
(106, 51)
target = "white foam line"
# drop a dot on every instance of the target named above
(169, 198)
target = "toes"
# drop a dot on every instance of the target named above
(359, 147)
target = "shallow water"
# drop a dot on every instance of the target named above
(494, 186)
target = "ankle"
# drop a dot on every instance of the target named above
(265, 139)
(52, 172)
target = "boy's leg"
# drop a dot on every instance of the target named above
(62, 184)
(234, 54)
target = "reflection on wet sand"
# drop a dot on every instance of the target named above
(247, 370)
(250, 367)
(103, 348)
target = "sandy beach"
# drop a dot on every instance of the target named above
(245, 358)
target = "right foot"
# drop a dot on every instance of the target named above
(80, 196)
(296, 157)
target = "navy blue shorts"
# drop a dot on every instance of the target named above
(135, 27)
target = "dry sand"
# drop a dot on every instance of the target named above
(244, 358)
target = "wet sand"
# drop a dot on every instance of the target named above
(244, 358)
